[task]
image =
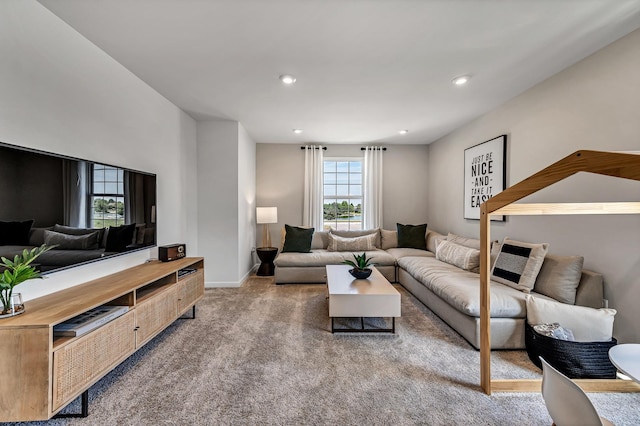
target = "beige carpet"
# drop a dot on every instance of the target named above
(263, 354)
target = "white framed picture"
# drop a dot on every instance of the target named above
(484, 174)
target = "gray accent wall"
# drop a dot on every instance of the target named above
(280, 182)
(591, 105)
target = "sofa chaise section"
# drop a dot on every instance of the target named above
(454, 295)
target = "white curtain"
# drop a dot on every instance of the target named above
(372, 190)
(312, 211)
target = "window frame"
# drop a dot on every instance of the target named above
(116, 196)
(333, 224)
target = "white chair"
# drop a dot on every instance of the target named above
(566, 402)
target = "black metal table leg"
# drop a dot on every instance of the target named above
(193, 314)
(84, 409)
(362, 329)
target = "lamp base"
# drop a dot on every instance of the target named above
(266, 236)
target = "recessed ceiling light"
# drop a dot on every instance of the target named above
(403, 132)
(461, 80)
(287, 79)
(297, 131)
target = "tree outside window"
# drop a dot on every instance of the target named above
(343, 194)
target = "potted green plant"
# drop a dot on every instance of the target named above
(361, 266)
(17, 271)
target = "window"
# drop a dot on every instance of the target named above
(107, 197)
(343, 194)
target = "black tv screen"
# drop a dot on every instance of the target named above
(88, 210)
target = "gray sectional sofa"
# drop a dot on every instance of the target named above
(73, 245)
(450, 292)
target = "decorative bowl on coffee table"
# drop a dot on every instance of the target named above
(360, 274)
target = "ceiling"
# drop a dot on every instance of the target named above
(365, 68)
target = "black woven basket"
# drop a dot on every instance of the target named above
(576, 360)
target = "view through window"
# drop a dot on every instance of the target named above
(107, 198)
(343, 194)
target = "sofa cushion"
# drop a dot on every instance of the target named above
(432, 239)
(351, 234)
(518, 264)
(320, 240)
(559, 277)
(399, 252)
(388, 239)
(15, 233)
(36, 236)
(297, 240)
(587, 324)
(71, 242)
(463, 257)
(364, 243)
(461, 289)
(412, 236)
(464, 241)
(325, 257)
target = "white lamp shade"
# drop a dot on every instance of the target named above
(266, 215)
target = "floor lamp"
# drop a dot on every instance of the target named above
(265, 216)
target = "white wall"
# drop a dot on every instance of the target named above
(246, 202)
(226, 201)
(280, 178)
(60, 93)
(591, 105)
(218, 200)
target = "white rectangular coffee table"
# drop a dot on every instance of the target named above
(372, 297)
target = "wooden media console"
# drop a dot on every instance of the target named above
(41, 373)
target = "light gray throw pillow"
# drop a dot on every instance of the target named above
(559, 277)
(466, 258)
(351, 234)
(363, 243)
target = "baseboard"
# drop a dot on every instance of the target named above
(221, 284)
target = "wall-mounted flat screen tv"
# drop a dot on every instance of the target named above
(88, 210)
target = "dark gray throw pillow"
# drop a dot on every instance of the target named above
(297, 240)
(15, 233)
(119, 237)
(36, 236)
(412, 236)
(69, 230)
(71, 242)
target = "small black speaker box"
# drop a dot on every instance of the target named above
(172, 252)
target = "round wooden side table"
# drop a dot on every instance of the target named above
(266, 256)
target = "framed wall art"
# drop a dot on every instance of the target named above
(484, 174)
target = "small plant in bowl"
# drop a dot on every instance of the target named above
(14, 272)
(361, 266)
